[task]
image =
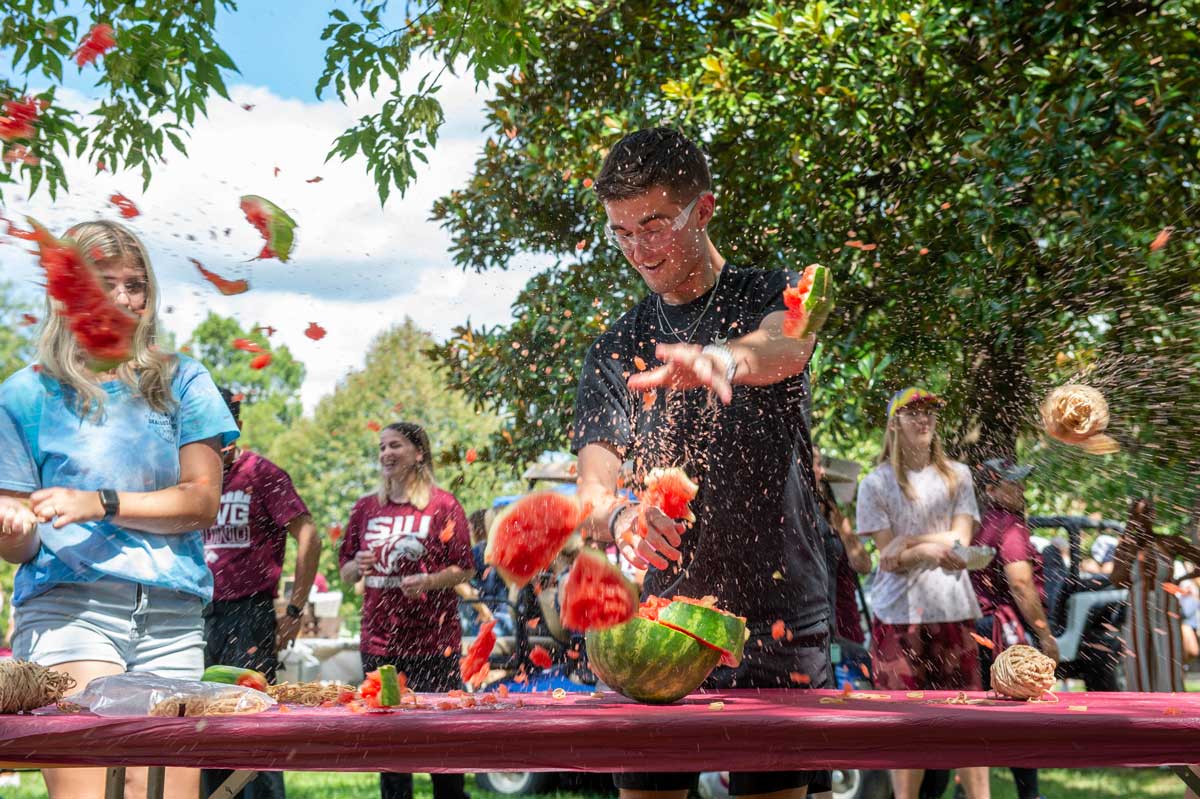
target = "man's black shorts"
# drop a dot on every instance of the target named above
(767, 664)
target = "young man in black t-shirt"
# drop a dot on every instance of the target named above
(699, 375)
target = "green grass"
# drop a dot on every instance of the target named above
(1055, 783)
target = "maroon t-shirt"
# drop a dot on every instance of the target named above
(408, 541)
(847, 617)
(244, 549)
(1008, 534)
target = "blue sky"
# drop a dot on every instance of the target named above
(275, 44)
(358, 269)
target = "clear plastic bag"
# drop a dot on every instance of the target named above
(144, 694)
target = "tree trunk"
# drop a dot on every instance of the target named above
(998, 401)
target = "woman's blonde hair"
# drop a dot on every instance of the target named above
(893, 454)
(419, 482)
(149, 372)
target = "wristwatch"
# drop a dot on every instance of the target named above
(725, 356)
(110, 502)
(294, 611)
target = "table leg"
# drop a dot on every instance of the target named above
(234, 783)
(156, 781)
(114, 783)
(1188, 776)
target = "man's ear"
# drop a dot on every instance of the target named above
(705, 209)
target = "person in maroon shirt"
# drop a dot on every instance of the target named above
(1010, 589)
(244, 550)
(409, 543)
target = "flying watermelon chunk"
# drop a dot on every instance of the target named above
(277, 228)
(597, 595)
(808, 302)
(101, 327)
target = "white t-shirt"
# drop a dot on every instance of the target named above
(922, 595)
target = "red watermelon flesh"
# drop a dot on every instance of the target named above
(474, 664)
(671, 491)
(596, 594)
(530, 533)
(273, 223)
(102, 328)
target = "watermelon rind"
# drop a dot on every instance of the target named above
(723, 631)
(280, 227)
(649, 662)
(819, 302)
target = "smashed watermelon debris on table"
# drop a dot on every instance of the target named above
(659, 662)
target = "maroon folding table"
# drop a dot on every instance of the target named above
(734, 730)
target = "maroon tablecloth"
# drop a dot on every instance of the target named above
(752, 731)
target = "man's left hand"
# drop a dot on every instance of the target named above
(684, 366)
(286, 628)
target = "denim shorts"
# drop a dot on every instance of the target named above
(137, 627)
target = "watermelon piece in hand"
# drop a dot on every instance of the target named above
(277, 228)
(529, 534)
(808, 303)
(671, 491)
(596, 595)
(100, 326)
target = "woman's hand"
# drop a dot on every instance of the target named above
(415, 584)
(15, 518)
(365, 560)
(66, 506)
(663, 536)
(889, 556)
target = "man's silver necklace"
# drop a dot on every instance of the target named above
(685, 336)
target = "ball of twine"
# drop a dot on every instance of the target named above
(28, 686)
(1022, 672)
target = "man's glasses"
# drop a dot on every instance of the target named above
(656, 238)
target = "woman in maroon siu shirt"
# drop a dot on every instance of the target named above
(409, 543)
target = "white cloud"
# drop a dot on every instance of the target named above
(357, 269)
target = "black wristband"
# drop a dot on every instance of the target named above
(111, 503)
(294, 611)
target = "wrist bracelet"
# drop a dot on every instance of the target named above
(725, 355)
(615, 516)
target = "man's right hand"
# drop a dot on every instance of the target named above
(662, 538)
(365, 560)
(1049, 646)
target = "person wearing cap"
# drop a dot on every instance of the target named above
(1010, 589)
(916, 505)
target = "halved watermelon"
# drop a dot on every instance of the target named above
(529, 534)
(597, 595)
(808, 303)
(649, 662)
(708, 624)
(277, 228)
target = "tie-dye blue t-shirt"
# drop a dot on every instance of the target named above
(45, 444)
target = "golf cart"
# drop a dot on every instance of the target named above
(1085, 612)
